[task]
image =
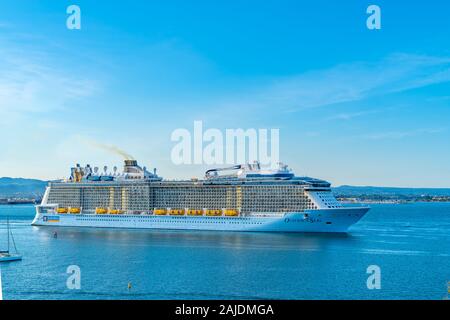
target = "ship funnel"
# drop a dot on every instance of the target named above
(131, 166)
(131, 163)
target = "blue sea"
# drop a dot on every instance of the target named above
(409, 242)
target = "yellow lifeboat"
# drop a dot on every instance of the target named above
(61, 210)
(195, 212)
(214, 212)
(74, 210)
(160, 212)
(114, 211)
(231, 213)
(177, 212)
(101, 211)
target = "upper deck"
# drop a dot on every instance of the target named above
(249, 174)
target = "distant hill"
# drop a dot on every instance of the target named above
(33, 188)
(21, 188)
(390, 191)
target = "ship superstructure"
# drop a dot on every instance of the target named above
(238, 198)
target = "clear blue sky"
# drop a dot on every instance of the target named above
(353, 106)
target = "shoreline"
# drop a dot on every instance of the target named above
(14, 202)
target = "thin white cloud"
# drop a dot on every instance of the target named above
(352, 115)
(403, 134)
(30, 85)
(347, 83)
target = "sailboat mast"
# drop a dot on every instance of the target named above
(1, 289)
(7, 228)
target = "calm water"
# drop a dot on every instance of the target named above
(411, 244)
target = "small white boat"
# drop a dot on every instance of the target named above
(6, 256)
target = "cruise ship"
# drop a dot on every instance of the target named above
(238, 198)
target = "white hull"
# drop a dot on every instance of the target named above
(10, 258)
(321, 220)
